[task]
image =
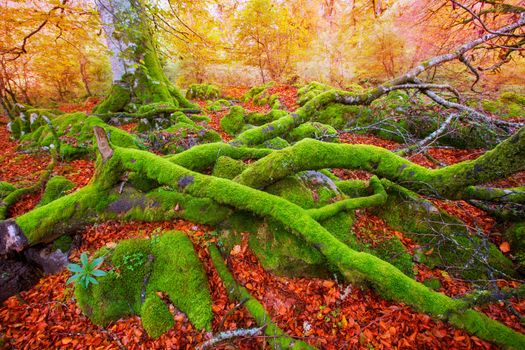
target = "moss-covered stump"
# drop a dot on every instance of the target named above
(446, 241)
(203, 92)
(139, 271)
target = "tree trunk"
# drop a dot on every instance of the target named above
(137, 71)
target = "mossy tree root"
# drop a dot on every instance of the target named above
(277, 338)
(150, 114)
(502, 195)
(505, 159)
(379, 197)
(384, 277)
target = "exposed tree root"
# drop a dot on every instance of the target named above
(276, 337)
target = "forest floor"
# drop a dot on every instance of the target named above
(325, 313)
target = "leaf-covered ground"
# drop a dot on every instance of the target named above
(325, 313)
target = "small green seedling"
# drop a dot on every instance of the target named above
(86, 273)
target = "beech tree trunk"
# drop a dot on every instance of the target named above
(138, 77)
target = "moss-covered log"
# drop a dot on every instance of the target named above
(507, 158)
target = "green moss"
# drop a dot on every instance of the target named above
(228, 168)
(179, 117)
(507, 158)
(5, 189)
(508, 105)
(312, 130)
(426, 224)
(339, 116)
(233, 122)
(513, 97)
(218, 105)
(275, 143)
(56, 187)
(432, 283)
(167, 264)
(203, 92)
(385, 278)
(204, 156)
(308, 92)
(50, 221)
(259, 94)
(117, 99)
(188, 287)
(285, 254)
(393, 251)
(515, 235)
(164, 204)
(156, 317)
(257, 118)
(63, 243)
(197, 118)
(182, 136)
(75, 134)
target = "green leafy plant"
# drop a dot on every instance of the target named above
(86, 273)
(134, 261)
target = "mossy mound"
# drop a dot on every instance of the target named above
(313, 130)
(233, 122)
(260, 96)
(508, 105)
(182, 136)
(515, 235)
(257, 118)
(56, 187)
(203, 92)
(314, 88)
(218, 105)
(141, 268)
(228, 168)
(275, 143)
(311, 90)
(72, 134)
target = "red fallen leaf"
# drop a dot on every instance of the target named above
(328, 284)
(66, 340)
(249, 286)
(439, 333)
(504, 247)
(428, 252)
